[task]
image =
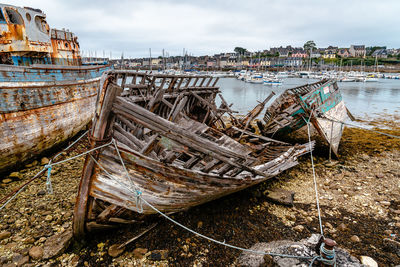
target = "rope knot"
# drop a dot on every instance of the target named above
(48, 181)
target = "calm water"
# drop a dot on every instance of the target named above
(364, 100)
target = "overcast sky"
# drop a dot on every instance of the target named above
(214, 26)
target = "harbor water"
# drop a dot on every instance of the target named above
(365, 100)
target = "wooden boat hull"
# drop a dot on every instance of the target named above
(39, 110)
(166, 149)
(320, 103)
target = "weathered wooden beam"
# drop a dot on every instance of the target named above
(177, 134)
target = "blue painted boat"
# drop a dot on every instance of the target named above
(46, 94)
(321, 102)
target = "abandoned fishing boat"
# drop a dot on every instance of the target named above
(320, 102)
(46, 95)
(164, 144)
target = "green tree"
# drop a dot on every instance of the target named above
(308, 46)
(240, 50)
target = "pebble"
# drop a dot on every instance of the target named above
(48, 218)
(44, 161)
(57, 244)
(157, 255)
(199, 224)
(36, 253)
(299, 228)
(355, 238)
(21, 260)
(6, 181)
(380, 176)
(368, 261)
(385, 203)
(342, 227)
(114, 251)
(139, 252)
(4, 235)
(15, 175)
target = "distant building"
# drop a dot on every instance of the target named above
(329, 54)
(299, 53)
(380, 53)
(357, 50)
(344, 52)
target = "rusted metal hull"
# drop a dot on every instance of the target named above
(39, 110)
(320, 102)
(165, 130)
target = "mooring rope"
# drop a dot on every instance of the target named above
(48, 167)
(314, 176)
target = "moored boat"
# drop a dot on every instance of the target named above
(46, 95)
(167, 148)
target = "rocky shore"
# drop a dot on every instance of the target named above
(359, 198)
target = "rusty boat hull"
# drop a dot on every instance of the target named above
(165, 141)
(42, 106)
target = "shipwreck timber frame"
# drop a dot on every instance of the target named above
(171, 139)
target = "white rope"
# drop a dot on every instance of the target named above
(314, 176)
(49, 167)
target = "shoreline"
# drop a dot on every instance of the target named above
(352, 192)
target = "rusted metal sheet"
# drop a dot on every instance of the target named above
(26, 39)
(176, 149)
(320, 102)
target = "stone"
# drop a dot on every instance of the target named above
(355, 238)
(327, 224)
(115, 251)
(29, 240)
(36, 253)
(4, 235)
(6, 181)
(48, 218)
(15, 175)
(139, 253)
(280, 196)
(368, 261)
(41, 193)
(299, 228)
(385, 203)
(342, 227)
(199, 224)
(380, 176)
(57, 244)
(157, 255)
(20, 261)
(44, 161)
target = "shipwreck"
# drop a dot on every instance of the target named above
(169, 146)
(319, 103)
(46, 94)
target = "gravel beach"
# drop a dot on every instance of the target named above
(359, 198)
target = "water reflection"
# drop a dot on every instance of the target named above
(362, 99)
